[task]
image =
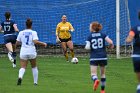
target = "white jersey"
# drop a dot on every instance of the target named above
(26, 38)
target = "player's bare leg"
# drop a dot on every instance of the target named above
(70, 46)
(94, 77)
(34, 71)
(103, 79)
(23, 64)
(10, 51)
(9, 47)
(14, 55)
(64, 47)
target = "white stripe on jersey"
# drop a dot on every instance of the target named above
(9, 34)
(94, 59)
(135, 55)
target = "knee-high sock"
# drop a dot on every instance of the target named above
(14, 55)
(66, 55)
(21, 72)
(94, 77)
(72, 54)
(35, 74)
(103, 82)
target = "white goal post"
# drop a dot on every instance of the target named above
(118, 28)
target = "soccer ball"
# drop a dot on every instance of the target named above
(74, 60)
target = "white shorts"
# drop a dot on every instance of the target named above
(27, 57)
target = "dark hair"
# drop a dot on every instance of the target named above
(28, 23)
(96, 26)
(139, 15)
(7, 15)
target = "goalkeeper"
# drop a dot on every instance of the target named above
(63, 36)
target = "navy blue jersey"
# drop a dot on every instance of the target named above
(97, 45)
(7, 27)
(136, 44)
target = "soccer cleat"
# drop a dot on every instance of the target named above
(35, 84)
(10, 57)
(19, 81)
(67, 61)
(14, 65)
(102, 91)
(96, 84)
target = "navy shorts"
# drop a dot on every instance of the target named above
(136, 64)
(65, 40)
(10, 39)
(98, 62)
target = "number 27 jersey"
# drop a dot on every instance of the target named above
(97, 45)
(26, 38)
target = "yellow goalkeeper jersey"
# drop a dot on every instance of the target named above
(62, 30)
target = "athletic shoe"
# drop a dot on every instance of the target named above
(14, 65)
(96, 84)
(67, 61)
(102, 91)
(19, 81)
(35, 84)
(10, 57)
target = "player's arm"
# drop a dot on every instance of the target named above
(71, 28)
(18, 42)
(130, 37)
(1, 30)
(16, 28)
(87, 46)
(57, 32)
(40, 43)
(109, 41)
(35, 40)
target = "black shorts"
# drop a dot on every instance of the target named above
(136, 64)
(65, 40)
(10, 39)
(98, 62)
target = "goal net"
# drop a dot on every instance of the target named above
(47, 14)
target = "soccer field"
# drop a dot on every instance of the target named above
(57, 76)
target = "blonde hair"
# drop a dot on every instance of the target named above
(95, 27)
(64, 16)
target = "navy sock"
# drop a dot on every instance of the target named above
(94, 77)
(14, 55)
(103, 81)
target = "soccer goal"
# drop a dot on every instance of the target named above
(112, 14)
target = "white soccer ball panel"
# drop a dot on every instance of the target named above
(74, 60)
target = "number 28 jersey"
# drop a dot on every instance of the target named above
(26, 38)
(97, 45)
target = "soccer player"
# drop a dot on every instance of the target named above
(28, 38)
(64, 37)
(10, 27)
(134, 34)
(98, 56)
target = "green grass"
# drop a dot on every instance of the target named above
(57, 76)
